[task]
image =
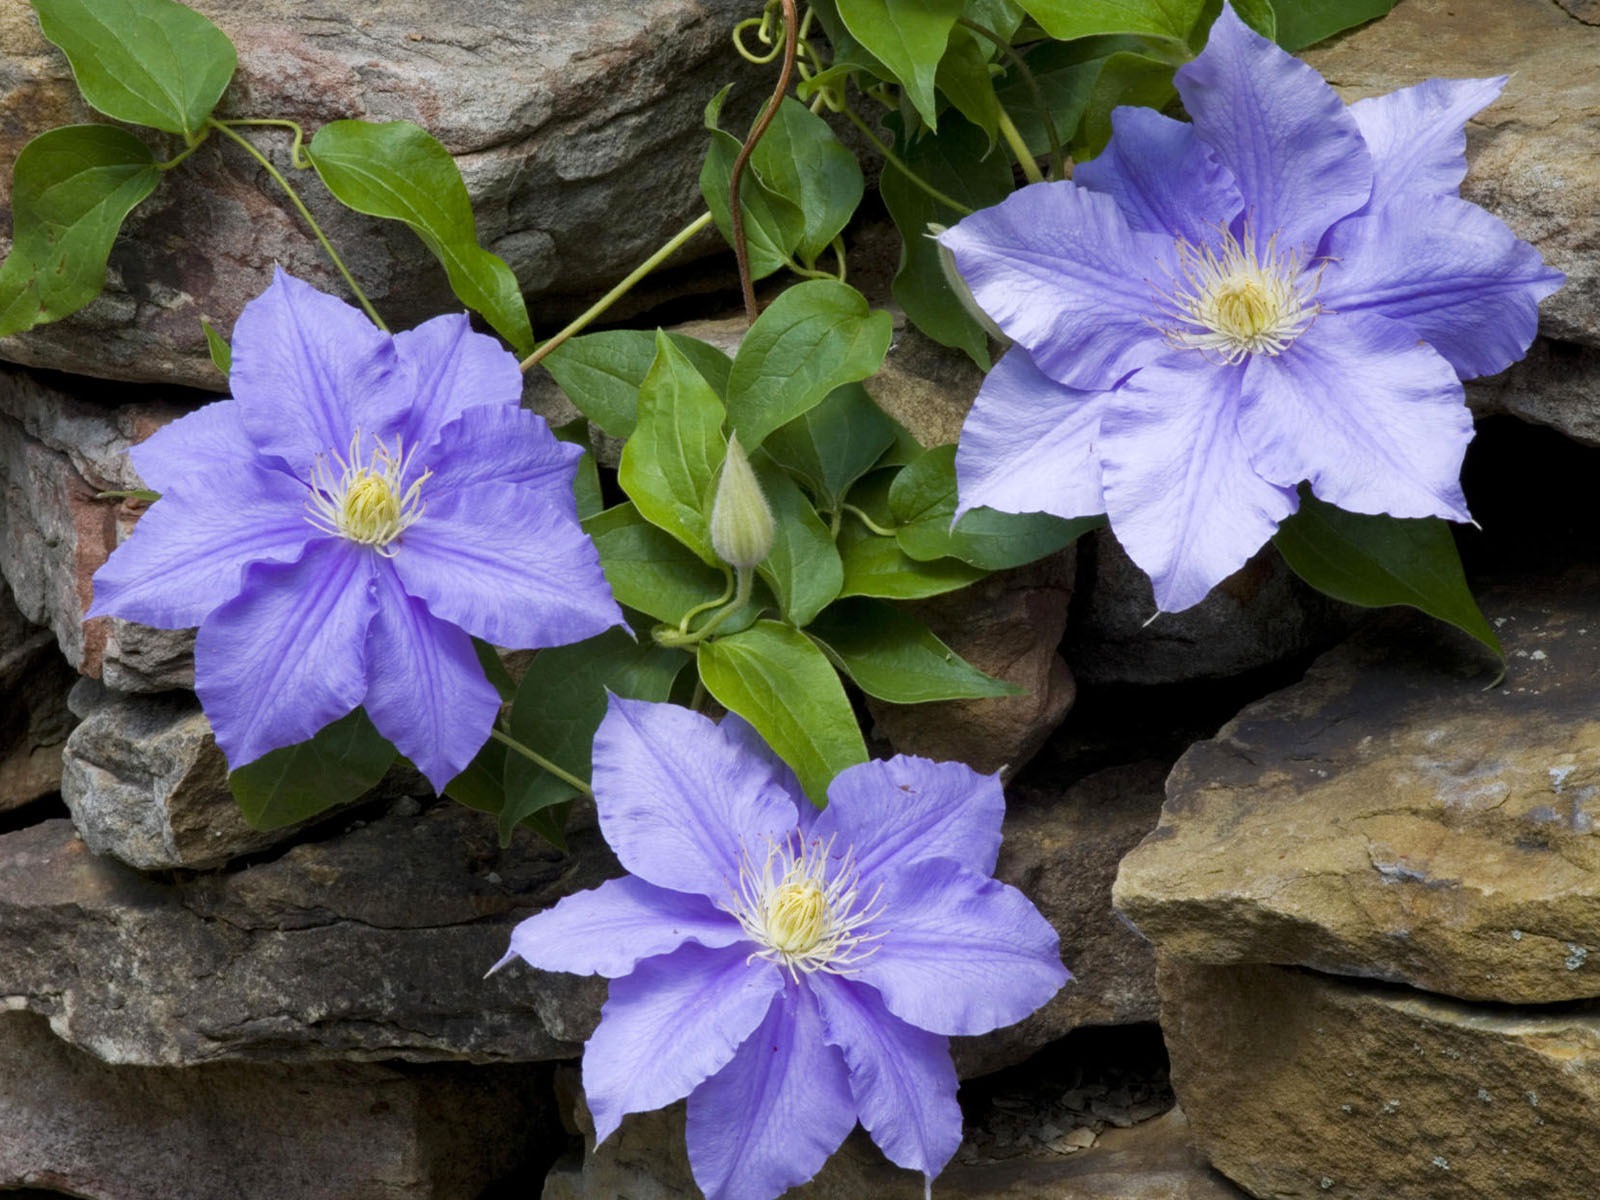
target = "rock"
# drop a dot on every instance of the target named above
(1259, 615)
(1535, 153)
(1062, 847)
(367, 945)
(927, 387)
(34, 720)
(1388, 817)
(322, 1131)
(577, 126)
(1008, 625)
(1298, 1084)
(1556, 385)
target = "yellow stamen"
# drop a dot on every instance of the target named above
(370, 503)
(803, 908)
(1237, 299)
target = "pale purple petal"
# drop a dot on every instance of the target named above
(770, 1119)
(676, 1020)
(189, 551)
(1183, 497)
(507, 566)
(1030, 445)
(499, 444)
(902, 1078)
(309, 371)
(288, 656)
(212, 438)
(1374, 419)
(1454, 275)
(743, 735)
(609, 929)
(448, 369)
(1163, 177)
(1417, 136)
(962, 953)
(680, 799)
(1283, 133)
(426, 692)
(897, 811)
(1059, 270)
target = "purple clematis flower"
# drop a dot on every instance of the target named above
(344, 526)
(789, 970)
(1285, 290)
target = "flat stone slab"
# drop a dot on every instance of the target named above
(1390, 817)
(1301, 1085)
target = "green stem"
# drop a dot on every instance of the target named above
(1019, 147)
(188, 150)
(616, 293)
(741, 597)
(898, 163)
(866, 520)
(305, 214)
(540, 760)
(1058, 161)
(727, 594)
(297, 158)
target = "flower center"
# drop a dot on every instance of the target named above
(801, 914)
(1240, 299)
(366, 502)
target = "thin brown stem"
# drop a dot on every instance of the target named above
(741, 251)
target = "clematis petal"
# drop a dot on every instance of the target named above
(906, 808)
(308, 371)
(680, 799)
(1281, 131)
(961, 953)
(495, 560)
(1375, 420)
(609, 929)
(1452, 273)
(288, 655)
(744, 736)
(448, 369)
(770, 1118)
(902, 1078)
(497, 444)
(675, 1021)
(1030, 445)
(209, 439)
(189, 551)
(1162, 176)
(1184, 499)
(1059, 270)
(427, 692)
(1417, 136)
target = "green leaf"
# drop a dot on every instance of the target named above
(221, 353)
(1259, 15)
(481, 785)
(601, 373)
(803, 568)
(831, 446)
(649, 569)
(908, 37)
(814, 337)
(288, 785)
(1068, 19)
(923, 503)
(494, 668)
(560, 705)
(670, 463)
(776, 678)
(895, 657)
(148, 62)
(1302, 23)
(965, 78)
(774, 226)
(954, 162)
(876, 566)
(1125, 78)
(586, 481)
(800, 159)
(1377, 561)
(71, 190)
(400, 172)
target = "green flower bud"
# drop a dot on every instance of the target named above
(741, 522)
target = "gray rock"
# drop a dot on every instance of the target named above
(577, 127)
(369, 945)
(319, 1131)
(34, 719)
(1556, 385)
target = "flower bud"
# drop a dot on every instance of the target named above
(741, 522)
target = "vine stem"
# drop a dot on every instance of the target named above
(540, 760)
(741, 251)
(305, 214)
(599, 306)
(1058, 161)
(1019, 147)
(899, 164)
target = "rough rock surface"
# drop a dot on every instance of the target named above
(1558, 385)
(34, 719)
(1389, 817)
(1300, 1085)
(578, 128)
(371, 944)
(1259, 615)
(927, 387)
(319, 1131)
(1535, 153)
